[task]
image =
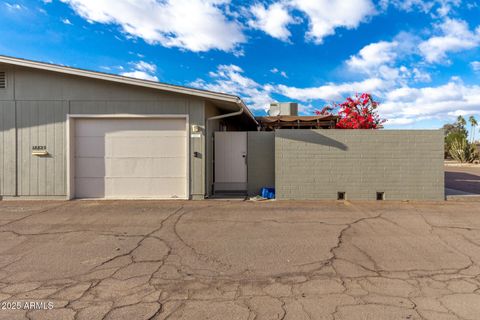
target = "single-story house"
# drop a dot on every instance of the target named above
(72, 133)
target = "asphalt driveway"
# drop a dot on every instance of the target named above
(466, 179)
(240, 260)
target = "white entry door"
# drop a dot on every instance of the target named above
(131, 158)
(230, 161)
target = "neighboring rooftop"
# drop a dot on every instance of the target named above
(270, 123)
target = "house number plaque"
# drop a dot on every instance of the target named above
(39, 151)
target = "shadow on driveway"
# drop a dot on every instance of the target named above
(465, 179)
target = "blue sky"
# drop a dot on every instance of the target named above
(420, 59)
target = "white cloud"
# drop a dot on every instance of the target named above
(374, 55)
(331, 91)
(281, 73)
(67, 21)
(380, 59)
(431, 102)
(195, 25)
(457, 113)
(14, 6)
(446, 6)
(145, 66)
(400, 121)
(401, 104)
(326, 15)
(475, 65)
(408, 5)
(455, 36)
(440, 7)
(140, 75)
(273, 20)
(230, 79)
(141, 70)
(306, 108)
(421, 76)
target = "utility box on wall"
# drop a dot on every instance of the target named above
(283, 109)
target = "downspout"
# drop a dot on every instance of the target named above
(227, 115)
(233, 114)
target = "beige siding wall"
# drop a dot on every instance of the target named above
(196, 110)
(43, 99)
(316, 164)
(7, 93)
(7, 148)
(41, 123)
(212, 126)
(32, 84)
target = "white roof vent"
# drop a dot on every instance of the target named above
(3, 80)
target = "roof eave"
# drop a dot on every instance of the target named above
(246, 110)
(123, 79)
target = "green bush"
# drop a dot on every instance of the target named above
(452, 136)
(460, 149)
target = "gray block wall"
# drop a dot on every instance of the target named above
(316, 164)
(260, 161)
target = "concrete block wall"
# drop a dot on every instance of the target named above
(260, 161)
(316, 164)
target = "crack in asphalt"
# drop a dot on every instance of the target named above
(185, 281)
(34, 213)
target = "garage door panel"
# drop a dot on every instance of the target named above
(90, 187)
(146, 167)
(90, 167)
(170, 167)
(146, 133)
(90, 127)
(145, 187)
(131, 158)
(90, 146)
(146, 146)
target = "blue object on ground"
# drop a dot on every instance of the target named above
(267, 193)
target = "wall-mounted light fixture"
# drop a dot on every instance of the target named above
(195, 128)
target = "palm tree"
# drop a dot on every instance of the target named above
(473, 124)
(460, 124)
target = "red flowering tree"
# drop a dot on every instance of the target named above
(358, 112)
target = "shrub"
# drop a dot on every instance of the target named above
(358, 112)
(460, 149)
(452, 136)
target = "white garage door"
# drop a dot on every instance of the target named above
(130, 158)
